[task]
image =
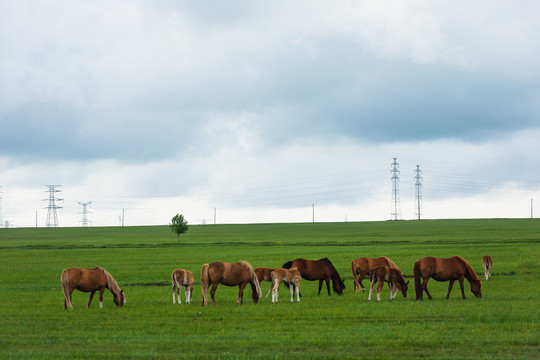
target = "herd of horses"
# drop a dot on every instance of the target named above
(379, 270)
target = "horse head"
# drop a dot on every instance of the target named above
(120, 299)
(476, 288)
(338, 285)
(404, 288)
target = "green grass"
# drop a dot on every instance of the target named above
(503, 324)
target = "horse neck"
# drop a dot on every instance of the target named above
(112, 285)
(470, 274)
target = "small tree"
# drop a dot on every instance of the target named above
(178, 225)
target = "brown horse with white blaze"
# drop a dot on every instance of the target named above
(179, 278)
(90, 280)
(321, 270)
(445, 269)
(229, 274)
(363, 266)
(486, 265)
(394, 278)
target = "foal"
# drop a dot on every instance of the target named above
(181, 277)
(291, 276)
(394, 278)
(486, 264)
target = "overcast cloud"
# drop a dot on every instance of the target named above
(263, 109)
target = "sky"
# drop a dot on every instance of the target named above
(268, 111)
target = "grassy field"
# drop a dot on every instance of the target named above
(505, 323)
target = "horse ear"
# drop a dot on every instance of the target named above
(407, 283)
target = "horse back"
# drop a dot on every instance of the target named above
(87, 279)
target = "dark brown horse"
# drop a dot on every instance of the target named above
(229, 274)
(321, 270)
(90, 280)
(450, 269)
(394, 278)
(486, 265)
(362, 267)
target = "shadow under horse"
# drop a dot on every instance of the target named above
(321, 270)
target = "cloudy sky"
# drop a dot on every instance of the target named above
(268, 111)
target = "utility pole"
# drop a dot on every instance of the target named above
(395, 213)
(52, 217)
(85, 222)
(418, 192)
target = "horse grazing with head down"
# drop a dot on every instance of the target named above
(264, 274)
(362, 267)
(449, 269)
(90, 280)
(321, 270)
(291, 276)
(394, 278)
(486, 265)
(179, 278)
(229, 274)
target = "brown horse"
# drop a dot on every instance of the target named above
(362, 267)
(264, 274)
(291, 276)
(90, 280)
(229, 274)
(321, 270)
(394, 278)
(179, 278)
(450, 269)
(486, 265)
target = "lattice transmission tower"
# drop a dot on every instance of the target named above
(85, 222)
(396, 207)
(418, 192)
(52, 217)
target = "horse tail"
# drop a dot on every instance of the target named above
(418, 280)
(64, 279)
(356, 285)
(204, 283)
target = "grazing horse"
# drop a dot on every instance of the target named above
(394, 278)
(179, 278)
(90, 280)
(362, 267)
(486, 265)
(321, 270)
(229, 274)
(291, 276)
(264, 274)
(450, 269)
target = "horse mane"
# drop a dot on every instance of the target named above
(254, 278)
(111, 283)
(335, 272)
(470, 269)
(391, 263)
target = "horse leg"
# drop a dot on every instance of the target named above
(90, 300)
(391, 289)
(69, 297)
(379, 288)
(462, 289)
(213, 292)
(371, 289)
(101, 297)
(424, 288)
(297, 286)
(449, 289)
(360, 278)
(173, 291)
(328, 286)
(320, 286)
(292, 292)
(240, 299)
